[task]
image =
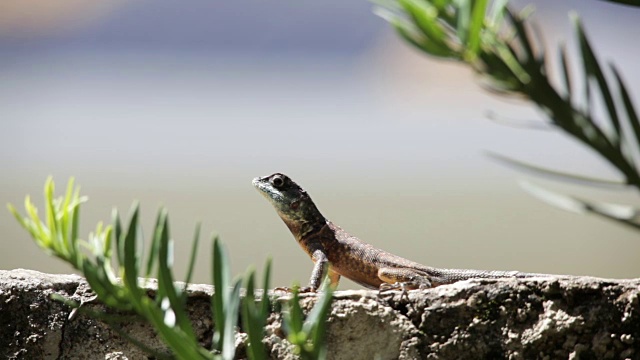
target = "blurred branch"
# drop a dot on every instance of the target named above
(555, 174)
(622, 214)
(509, 55)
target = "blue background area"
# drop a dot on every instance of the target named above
(183, 103)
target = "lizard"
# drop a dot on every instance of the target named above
(342, 254)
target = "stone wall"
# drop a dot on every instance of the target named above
(552, 318)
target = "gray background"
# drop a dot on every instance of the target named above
(182, 103)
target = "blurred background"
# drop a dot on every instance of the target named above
(181, 104)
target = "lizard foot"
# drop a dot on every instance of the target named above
(403, 287)
(384, 287)
(302, 290)
(307, 289)
(283, 288)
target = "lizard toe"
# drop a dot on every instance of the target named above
(384, 287)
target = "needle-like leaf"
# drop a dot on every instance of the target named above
(266, 302)
(463, 19)
(194, 253)
(593, 70)
(566, 74)
(476, 28)
(523, 37)
(497, 12)
(251, 320)
(155, 243)
(230, 320)
(622, 214)
(220, 275)
(632, 115)
(166, 280)
(117, 233)
(425, 16)
(579, 179)
(129, 246)
(316, 324)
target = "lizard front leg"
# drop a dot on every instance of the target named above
(404, 278)
(321, 264)
(320, 267)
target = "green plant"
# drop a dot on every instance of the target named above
(166, 310)
(254, 316)
(308, 335)
(502, 48)
(224, 303)
(59, 237)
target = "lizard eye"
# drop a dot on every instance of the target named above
(277, 181)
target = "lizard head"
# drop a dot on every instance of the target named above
(292, 202)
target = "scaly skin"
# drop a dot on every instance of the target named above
(345, 254)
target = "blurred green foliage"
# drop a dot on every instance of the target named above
(507, 51)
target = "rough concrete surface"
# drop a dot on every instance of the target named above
(545, 318)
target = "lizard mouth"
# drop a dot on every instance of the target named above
(260, 184)
(266, 189)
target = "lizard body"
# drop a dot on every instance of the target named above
(345, 254)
